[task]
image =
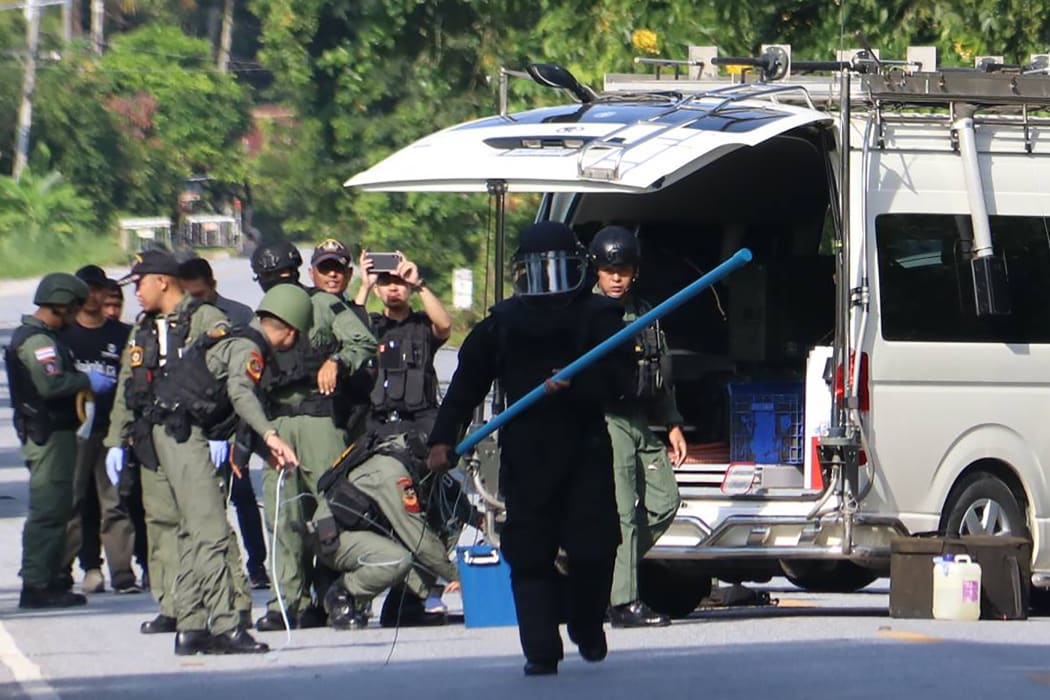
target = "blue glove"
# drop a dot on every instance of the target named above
(114, 464)
(220, 452)
(101, 383)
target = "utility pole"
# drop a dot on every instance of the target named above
(226, 37)
(67, 22)
(98, 19)
(25, 112)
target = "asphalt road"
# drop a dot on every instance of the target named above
(807, 646)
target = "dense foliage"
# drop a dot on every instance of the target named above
(361, 78)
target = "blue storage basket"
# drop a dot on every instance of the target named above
(485, 579)
(766, 423)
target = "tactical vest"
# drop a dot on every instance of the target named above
(36, 417)
(298, 367)
(144, 357)
(652, 363)
(188, 390)
(406, 381)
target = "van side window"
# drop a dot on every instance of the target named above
(926, 283)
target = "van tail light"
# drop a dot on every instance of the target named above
(863, 393)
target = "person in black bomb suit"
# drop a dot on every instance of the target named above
(556, 459)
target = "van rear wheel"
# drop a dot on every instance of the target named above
(826, 576)
(985, 506)
(671, 587)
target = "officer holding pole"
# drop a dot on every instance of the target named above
(556, 457)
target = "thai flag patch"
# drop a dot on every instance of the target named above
(46, 354)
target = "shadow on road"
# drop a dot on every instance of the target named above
(846, 668)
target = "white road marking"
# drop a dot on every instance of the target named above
(26, 673)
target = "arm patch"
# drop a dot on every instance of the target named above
(255, 366)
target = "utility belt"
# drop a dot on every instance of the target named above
(313, 405)
(38, 426)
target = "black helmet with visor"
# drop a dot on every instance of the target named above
(549, 261)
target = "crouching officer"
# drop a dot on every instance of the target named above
(377, 534)
(180, 491)
(556, 459)
(646, 490)
(45, 385)
(308, 405)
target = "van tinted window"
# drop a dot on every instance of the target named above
(926, 283)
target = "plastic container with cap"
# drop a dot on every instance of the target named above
(956, 588)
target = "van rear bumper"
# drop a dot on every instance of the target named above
(754, 537)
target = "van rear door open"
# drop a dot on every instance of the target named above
(605, 146)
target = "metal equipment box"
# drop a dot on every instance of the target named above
(1005, 574)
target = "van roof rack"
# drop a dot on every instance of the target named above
(916, 80)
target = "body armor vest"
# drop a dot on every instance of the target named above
(652, 363)
(144, 356)
(406, 381)
(188, 389)
(36, 417)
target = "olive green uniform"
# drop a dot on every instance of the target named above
(412, 552)
(646, 490)
(51, 464)
(194, 563)
(318, 443)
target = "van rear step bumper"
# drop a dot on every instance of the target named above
(777, 537)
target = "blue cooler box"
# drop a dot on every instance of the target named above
(485, 578)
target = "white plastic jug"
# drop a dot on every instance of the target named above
(956, 588)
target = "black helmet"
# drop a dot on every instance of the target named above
(549, 261)
(615, 246)
(275, 257)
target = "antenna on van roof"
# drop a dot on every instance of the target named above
(553, 75)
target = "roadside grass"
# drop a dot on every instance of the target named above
(22, 259)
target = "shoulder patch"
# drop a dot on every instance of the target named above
(46, 354)
(255, 366)
(135, 355)
(51, 369)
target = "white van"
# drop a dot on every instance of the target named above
(904, 231)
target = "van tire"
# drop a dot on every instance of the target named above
(672, 587)
(968, 513)
(827, 576)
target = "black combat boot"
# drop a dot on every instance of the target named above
(344, 613)
(33, 598)
(161, 624)
(637, 614)
(404, 609)
(190, 642)
(312, 615)
(273, 622)
(541, 668)
(236, 642)
(592, 650)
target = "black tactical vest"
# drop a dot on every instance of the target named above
(406, 381)
(144, 357)
(36, 417)
(652, 363)
(188, 390)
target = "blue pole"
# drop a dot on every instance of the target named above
(738, 260)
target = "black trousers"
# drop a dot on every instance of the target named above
(559, 491)
(242, 494)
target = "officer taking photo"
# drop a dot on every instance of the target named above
(309, 402)
(45, 386)
(556, 458)
(646, 491)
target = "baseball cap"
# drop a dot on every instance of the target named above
(92, 275)
(152, 262)
(331, 249)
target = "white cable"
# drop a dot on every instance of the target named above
(273, 561)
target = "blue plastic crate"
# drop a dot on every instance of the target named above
(485, 580)
(766, 423)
